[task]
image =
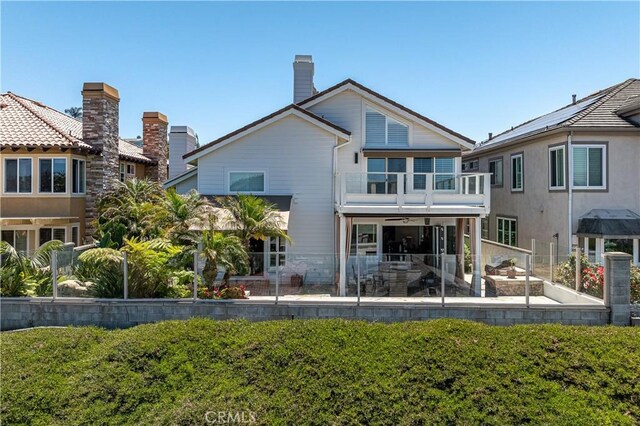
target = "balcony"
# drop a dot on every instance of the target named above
(414, 193)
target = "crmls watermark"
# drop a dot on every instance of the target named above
(229, 417)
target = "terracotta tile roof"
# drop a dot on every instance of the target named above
(599, 109)
(31, 124)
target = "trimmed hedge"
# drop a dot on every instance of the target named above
(323, 372)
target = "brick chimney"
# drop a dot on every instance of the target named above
(100, 116)
(155, 145)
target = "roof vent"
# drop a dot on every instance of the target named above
(490, 136)
(573, 99)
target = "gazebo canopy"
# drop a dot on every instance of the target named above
(601, 223)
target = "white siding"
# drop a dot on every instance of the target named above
(296, 157)
(187, 184)
(346, 110)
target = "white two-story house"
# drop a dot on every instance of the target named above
(359, 177)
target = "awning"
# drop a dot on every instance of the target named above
(599, 223)
(224, 219)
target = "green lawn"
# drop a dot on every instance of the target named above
(323, 372)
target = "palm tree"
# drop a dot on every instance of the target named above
(20, 274)
(183, 213)
(75, 112)
(226, 251)
(131, 209)
(253, 217)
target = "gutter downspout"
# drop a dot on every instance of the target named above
(333, 188)
(570, 191)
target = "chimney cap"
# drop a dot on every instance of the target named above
(100, 89)
(154, 116)
(303, 58)
(182, 129)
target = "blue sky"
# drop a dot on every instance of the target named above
(474, 67)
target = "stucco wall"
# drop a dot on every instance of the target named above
(542, 212)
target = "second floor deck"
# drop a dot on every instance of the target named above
(413, 193)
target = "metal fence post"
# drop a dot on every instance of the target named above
(533, 254)
(358, 278)
(125, 272)
(442, 285)
(195, 275)
(578, 270)
(277, 273)
(527, 271)
(551, 261)
(54, 273)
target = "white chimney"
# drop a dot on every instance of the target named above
(182, 139)
(303, 78)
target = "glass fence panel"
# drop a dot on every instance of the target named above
(309, 274)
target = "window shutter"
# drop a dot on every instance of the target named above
(375, 132)
(595, 166)
(580, 166)
(398, 133)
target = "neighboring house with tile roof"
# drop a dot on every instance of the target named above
(53, 166)
(356, 175)
(552, 174)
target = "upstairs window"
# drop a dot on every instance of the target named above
(495, 168)
(246, 182)
(556, 168)
(589, 167)
(78, 176)
(443, 169)
(53, 175)
(17, 175)
(383, 130)
(517, 173)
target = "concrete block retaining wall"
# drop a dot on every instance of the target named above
(23, 313)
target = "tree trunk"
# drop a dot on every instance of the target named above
(209, 274)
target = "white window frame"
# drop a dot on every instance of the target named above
(78, 232)
(494, 175)
(387, 116)
(14, 230)
(66, 177)
(604, 166)
(52, 229)
(264, 182)
(511, 220)
(513, 157)
(564, 167)
(84, 177)
(4, 176)
(283, 254)
(123, 171)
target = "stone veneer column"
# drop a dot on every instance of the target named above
(617, 286)
(100, 129)
(155, 145)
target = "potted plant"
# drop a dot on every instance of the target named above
(511, 271)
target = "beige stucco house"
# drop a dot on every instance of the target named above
(53, 166)
(571, 176)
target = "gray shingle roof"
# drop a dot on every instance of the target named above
(596, 110)
(31, 124)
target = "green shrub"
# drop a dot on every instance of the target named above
(635, 284)
(323, 372)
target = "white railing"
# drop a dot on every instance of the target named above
(428, 189)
